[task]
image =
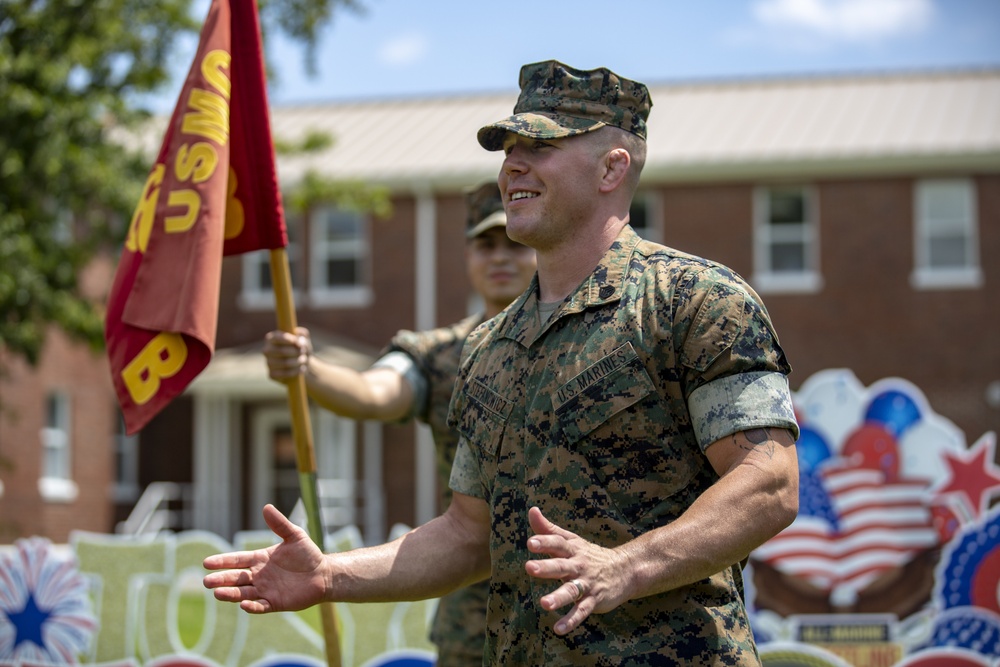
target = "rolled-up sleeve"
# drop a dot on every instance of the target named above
(740, 402)
(403, 364)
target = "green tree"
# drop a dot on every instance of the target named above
(71, 74)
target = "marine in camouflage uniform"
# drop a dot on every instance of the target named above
(648, 413)
(599, 418)
(600, 415)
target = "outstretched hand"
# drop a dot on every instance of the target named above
(594, 578)
(288, 576)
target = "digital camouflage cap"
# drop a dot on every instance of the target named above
(560, 101)
(485, 209)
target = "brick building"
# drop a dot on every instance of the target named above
(864, 209)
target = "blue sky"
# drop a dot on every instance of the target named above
(420, 47)
(431, 47)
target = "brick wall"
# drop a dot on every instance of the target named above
(83, 375)
(867, 317)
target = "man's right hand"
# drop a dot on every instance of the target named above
(287, 354)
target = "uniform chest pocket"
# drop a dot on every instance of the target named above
(601, 391)
(613, 425)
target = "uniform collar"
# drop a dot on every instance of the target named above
(604, 285)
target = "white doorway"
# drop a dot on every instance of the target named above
(274, 476)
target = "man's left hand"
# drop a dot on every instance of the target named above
(593, 578)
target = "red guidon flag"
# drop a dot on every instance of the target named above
(213, 191)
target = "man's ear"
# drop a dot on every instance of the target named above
(616, 166)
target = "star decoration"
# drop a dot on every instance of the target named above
(28, 623)
(973, 475)
(45, 609)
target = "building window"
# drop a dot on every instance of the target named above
(646, 216)
(339, 258)
(786, 240)
(946, 235)
(55, 484)
(257, 288)
(126, 488)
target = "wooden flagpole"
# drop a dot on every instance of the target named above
(302, 433)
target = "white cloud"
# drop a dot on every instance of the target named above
(846, 20)
(403, 50)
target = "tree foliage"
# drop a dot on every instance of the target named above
(71, 72)
(314, 188)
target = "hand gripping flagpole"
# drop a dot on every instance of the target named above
(302, 432)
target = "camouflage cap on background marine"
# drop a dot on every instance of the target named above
(560, 101)
(485, 209)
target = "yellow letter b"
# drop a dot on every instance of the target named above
(162, 357)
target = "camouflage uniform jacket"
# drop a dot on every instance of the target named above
(600, 417)
(459, 629)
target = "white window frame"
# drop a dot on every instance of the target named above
(56, 483)
(321, 294)
(254, 295)
(926, 228)
(652, 202)
(765, 279)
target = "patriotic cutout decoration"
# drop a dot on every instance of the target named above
(853, 525)
(897, 536)
(968, 591)
(882, 479)
(45, 612)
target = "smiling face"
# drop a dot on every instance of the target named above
(499, 269)
(549, 187)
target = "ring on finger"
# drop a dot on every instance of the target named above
(579, 589)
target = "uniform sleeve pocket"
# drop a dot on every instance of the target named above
(601, 391)
(714, 328)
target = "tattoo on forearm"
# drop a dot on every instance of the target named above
(755, 438)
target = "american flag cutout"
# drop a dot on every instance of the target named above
(853, 525)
